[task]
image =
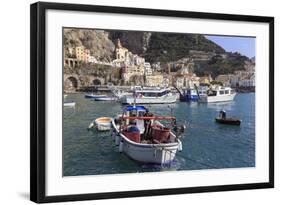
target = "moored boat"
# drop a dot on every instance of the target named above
(94, 96)
(142, 137)
(224, 120)
(69, 104)
(106, 98)
(194, 94)
(228, 121)
(150, 96)
(219, 94)
(101, 124)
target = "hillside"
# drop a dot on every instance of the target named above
(154, 47)
(218, 65)
(164, 47)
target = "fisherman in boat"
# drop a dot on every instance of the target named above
(222, 114)
(147, 123)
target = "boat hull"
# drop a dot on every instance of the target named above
(106, 99)
(146, 100)
(69, 104)
(102, 123)
(94, 96)
(228, 121)
(162, 153)
(222, 98)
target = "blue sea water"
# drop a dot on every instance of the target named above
(206, 144)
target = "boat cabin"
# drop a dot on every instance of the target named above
(221, 91)
(152, 93)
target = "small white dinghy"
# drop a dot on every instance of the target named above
(69, 104)
(101, 124)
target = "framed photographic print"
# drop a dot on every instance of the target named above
(129, 102)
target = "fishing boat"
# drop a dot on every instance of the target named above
(228, 121)
(224, 120)
(69, 104)
(106, 98)
(143, 138)
(150, 96)
(194, 94)
(94, 96)
(101, 124)
(219, 94)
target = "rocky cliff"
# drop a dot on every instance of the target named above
(101, 47)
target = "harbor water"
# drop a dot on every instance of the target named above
(206, 144)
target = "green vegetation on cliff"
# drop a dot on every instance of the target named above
(218, 65)
(165, 47)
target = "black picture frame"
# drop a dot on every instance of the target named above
(38, 101)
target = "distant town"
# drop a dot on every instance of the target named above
(83, 70)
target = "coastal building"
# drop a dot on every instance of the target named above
(205, 80)
(245, 77)
(248, 82)
(224, 79)
(121, 53)
(154, 80)
(147, 68)
(92, 59)
(191, 80)
(166, 81)
(156, 66)
(179, 82)
(131, 70)
(131, 64)
(137, 60)
(82, 54)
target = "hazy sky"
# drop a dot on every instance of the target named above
(243, 45)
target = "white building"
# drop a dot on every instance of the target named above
(147, 68)
(248, 82)
(180, 82)
(92, 59)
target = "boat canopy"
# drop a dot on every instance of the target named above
(138, 108)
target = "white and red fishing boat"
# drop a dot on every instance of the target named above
(144, 138)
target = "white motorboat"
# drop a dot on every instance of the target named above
(150, 96)
(106, 98)
(219, 94)
(94, 96)
(143, 138)
(119, 93)
(69, 104)
(101, 124)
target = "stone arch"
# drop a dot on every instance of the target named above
(71, 83)
(97, 81)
